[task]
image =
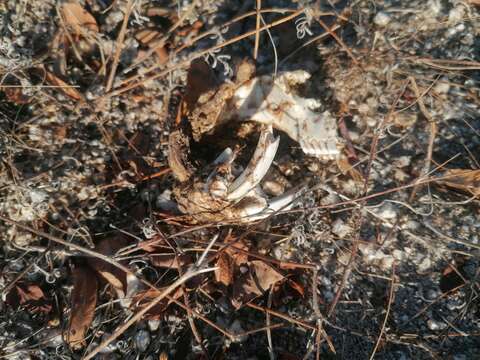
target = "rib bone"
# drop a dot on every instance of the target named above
(258, 166)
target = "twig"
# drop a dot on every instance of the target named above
(433, 132)
(66, 243)
(447, 64)
(309, 42)
(192, 272)
(119, 45)
(187, 62)
(390, 300)
(257, 27)
(283, 316)
(161, 42)
(448, 238)
(320, 331)
(203, 35)
(271, 354)
(337, 39)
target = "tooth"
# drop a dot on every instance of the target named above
(257, 168)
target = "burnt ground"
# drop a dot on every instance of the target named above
(379, 257)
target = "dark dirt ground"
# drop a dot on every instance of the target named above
(371, 263)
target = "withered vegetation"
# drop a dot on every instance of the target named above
(213, 179)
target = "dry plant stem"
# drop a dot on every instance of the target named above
(119, 46)
(337, 39)
(346, 272)
(422, 311)
(192, 272)
(271, 354)
(186, 63)
(450, 239)
(443, 64)
(164, 38)
(92, 253)
(283, 316)
(257, 27)
(389, 306)
(380, 128)
(433, 132)
(70, 39)
(309, 42)
(354, 251)
(203, 35)
(320, 331)
(57, 240)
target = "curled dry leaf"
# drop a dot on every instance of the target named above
(463, 180)
(83, 303)
(77, 18)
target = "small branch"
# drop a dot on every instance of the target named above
(119, 46)
(192, 272)
(433, 133)
(389, 306)
(331, 31)
(257, 28)
(187, 62)
(271, 354)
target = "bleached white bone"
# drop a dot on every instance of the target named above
(258, 211)
(257, 167)
(273, 102)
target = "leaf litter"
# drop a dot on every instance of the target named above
(85, 163)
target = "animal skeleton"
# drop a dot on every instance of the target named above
(223, 194)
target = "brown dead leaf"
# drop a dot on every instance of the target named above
(452, 278)
(63, 86)
(163, 356)
(77, 18)
(239, 257)
(224, 272)
(31, 296)
(297, 287)
(15, 95)
(143, 298)
(109, 246)
(152, 38)
(266, 274)
(345, 167)
(200, 80)
(463, 180)
(254, 282)
(83, 303)
(159, 11)
(12, 88)
(32, 292)
(170, 261)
